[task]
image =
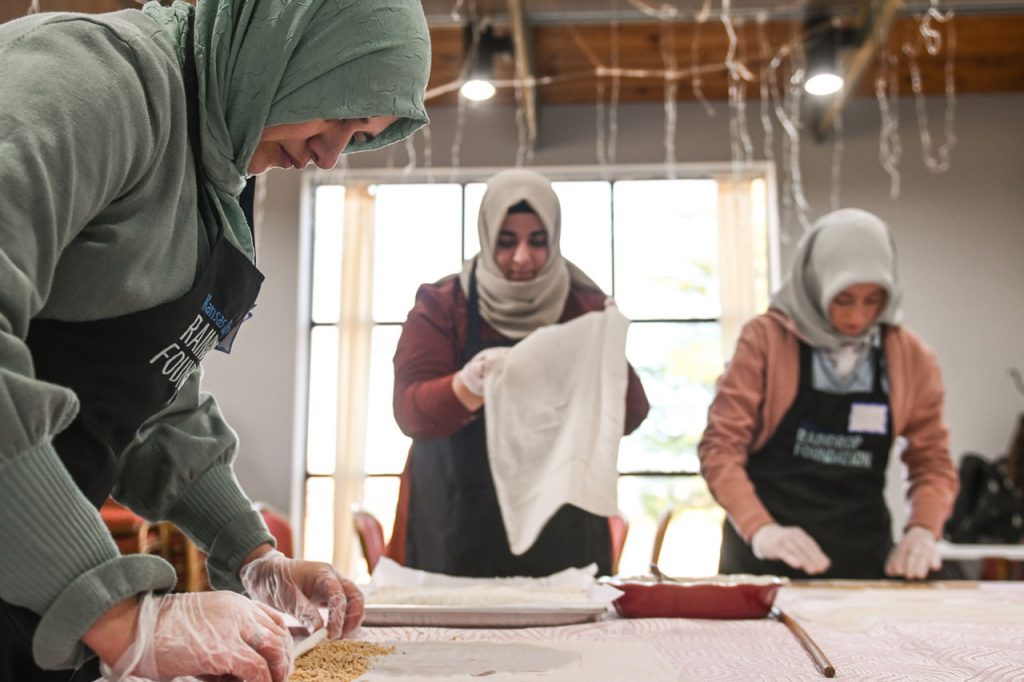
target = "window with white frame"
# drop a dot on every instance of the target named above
(687, 260)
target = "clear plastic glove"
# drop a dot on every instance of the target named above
(790, 544)
(207, 635)
(300, 587)
(472, 374)
(916, 554)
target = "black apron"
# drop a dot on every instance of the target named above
(124, 370)
(824, 470)
(454, 522)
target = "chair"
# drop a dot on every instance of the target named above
(277, 524)
(371, 537)
(132, 533)
(659, 533)
(618, 527)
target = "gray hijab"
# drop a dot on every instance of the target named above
(845, 247)
(517, 308)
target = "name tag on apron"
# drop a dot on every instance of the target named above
(869, 418)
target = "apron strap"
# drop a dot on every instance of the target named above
(880, 363)
(472, 318)
(806, 380)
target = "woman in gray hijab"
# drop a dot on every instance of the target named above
(800, 431)
(448, 518)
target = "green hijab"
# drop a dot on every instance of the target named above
(266, 62)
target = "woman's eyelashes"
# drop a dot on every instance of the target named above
(509, 240)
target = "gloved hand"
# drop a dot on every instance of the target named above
(207, 635)
(299, 587)
(916, 554)
(472, 374)
(790, 544)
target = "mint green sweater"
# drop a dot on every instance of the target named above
(98, 220)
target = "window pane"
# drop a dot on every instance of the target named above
(328, 226)
(318, 531)
(386, 445)
(380, 497)
(678, 364)
(666, 249)
(694, 536)
(322, 429)
(587, 228)
(416, 240)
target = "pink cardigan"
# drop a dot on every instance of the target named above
(760, 385)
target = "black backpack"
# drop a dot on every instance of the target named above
(990, 507)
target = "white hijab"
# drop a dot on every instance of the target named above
(845, 247)
(515, 309)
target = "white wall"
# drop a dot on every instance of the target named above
(960, 236)
(259, 385)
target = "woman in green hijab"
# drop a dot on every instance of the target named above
(125, 142)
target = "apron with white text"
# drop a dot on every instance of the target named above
(824, 470)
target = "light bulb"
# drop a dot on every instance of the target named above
(823, 84)
(477, 90)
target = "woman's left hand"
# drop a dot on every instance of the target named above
(300, 588)
(916, 554)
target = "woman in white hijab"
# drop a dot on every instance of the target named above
(448, 519)
(799, 434)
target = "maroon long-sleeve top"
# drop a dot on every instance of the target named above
(430, 352)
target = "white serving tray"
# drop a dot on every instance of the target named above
(480, 616)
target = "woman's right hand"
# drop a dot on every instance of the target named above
(208, 634)
(791, 544)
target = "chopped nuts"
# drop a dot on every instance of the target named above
(337, 661)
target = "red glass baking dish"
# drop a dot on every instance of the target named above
(730, 596)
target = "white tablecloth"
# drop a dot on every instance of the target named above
(916, 633)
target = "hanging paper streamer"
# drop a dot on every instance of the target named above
(780, 72)
(766, 117)
(932, 42)
(668, 56)
(889, 148)
(455, 15)
(524, 150)
(837, 160)
(695, 83)
(613, 104)
(460, 123)
(428, 153)
(410, 150)
(602, 145)
(742, 149)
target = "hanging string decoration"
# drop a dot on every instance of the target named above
(777, 70)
